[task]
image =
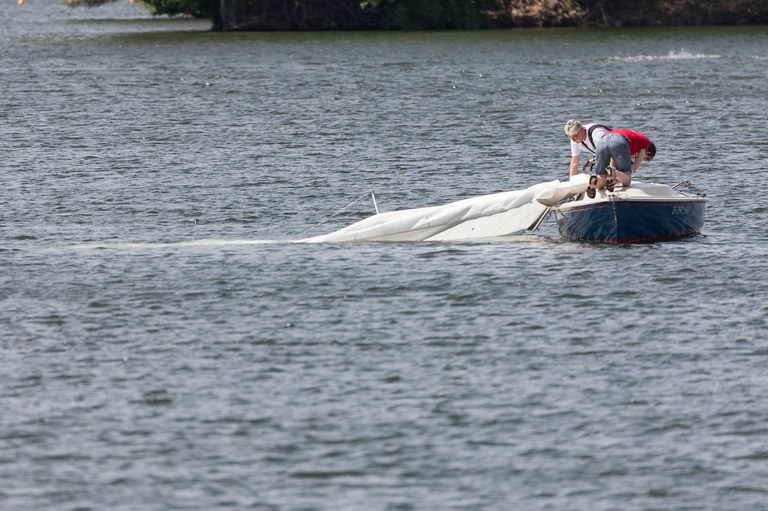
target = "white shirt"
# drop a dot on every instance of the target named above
(597, 133)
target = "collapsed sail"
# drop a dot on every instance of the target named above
(486, 216)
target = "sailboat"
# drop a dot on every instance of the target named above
(641, 213)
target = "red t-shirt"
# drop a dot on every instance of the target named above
(636, 140)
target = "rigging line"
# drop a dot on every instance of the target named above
(321, 222)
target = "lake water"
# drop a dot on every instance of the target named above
(165, 346)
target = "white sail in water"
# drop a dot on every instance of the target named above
(486, 216)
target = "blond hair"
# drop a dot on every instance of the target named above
(573, 128)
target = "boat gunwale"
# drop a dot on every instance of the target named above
(601, 202)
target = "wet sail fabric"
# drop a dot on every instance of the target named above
(486, 216)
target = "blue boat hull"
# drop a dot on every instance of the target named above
(631, 221)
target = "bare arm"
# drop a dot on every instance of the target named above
(638, 159)
(574, 168)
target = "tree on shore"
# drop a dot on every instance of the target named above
(265, 15)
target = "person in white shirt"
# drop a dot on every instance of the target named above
(584, 137)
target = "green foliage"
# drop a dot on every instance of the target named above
(396, 17)
(451, 14)
(196, 8)
(428, 14)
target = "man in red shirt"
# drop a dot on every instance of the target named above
(628, 149)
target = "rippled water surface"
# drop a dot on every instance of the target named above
(165, 346)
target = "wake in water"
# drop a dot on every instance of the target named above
(682, 54)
